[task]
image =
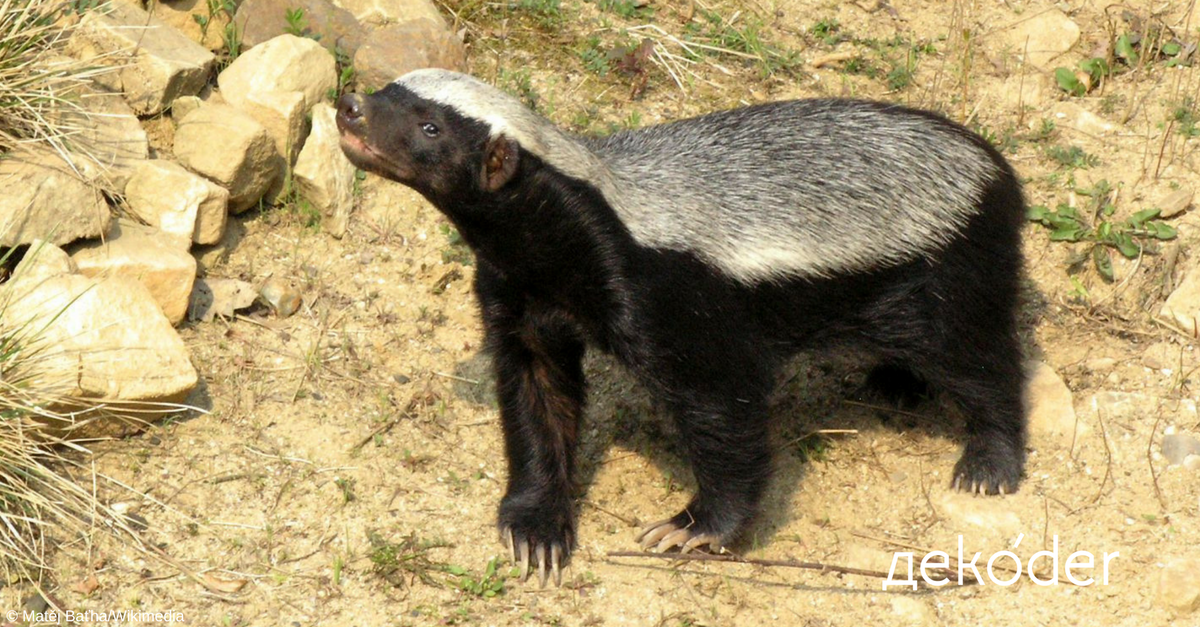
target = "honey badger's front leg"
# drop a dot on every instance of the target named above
(537, 356)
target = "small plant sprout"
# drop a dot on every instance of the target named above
(1130, 237)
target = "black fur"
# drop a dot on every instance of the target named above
(557, 271)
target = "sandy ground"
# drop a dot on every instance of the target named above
(364, 427)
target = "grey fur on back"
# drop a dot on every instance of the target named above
(804, 188)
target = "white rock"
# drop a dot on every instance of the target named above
(45, 199)
(1070, 114)
(1051, 408)
(157, 63)
(282, 64)
(283, 115)
(913, 612)
(992, 514)
(220, 297)
(324, 175)
(230, 147)
(141, 253)
(103, 338)
(1176, 202)
(184, 105)
(42, 261)
(1043, 37)
(1178, 447)
(1179, 586)
(110, 140)
(1182, 309)
(186, 207)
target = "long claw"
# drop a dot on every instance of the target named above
(512, 547)
(541, 560)
(523, 548)
(556, 563)
(652, 534)
(713, 542)
(649, 528)
(672, 540)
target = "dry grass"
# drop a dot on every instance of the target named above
(48, 491)
(35, 80)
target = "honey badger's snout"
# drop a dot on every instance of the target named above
(351, 114)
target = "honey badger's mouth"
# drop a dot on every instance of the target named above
(365, 156)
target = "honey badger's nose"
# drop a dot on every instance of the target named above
(350, 112)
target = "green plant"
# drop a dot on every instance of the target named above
(629, 9)
(828, 31)
(745, 41)
(1185, 118)
(1071, 156)
(399, 563)
(489, 584)
(1130, 237)
(457, 250)
(546, 13)
(296, 23)
(1090, 75)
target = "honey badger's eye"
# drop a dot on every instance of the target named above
(430, 129)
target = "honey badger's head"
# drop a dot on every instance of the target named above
(441, 133)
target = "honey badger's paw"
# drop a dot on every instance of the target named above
(991, 469)
(538, 538)
(665, 535)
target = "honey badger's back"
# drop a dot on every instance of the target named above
(800, 188)
(805, 188)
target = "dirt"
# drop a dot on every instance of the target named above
(366, 422)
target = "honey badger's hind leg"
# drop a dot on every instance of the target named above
(898, 385)
(726, 442)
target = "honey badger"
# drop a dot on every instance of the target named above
(702, 254)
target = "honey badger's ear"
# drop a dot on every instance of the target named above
(499, 162)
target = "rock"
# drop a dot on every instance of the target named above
(186, 207)
(110, 141)
(391, 52)
(156, 62)
(1176, 202)
(1068, 113)
(323, 174)
(283, 64)
(1051, 407)
(42, 260)
(1100, 364)
(283, 299)
(1043, 37)
(992, 514)
(278, 82)
(141, 253)
(283, 115)
(1177, 447)
(1179, 586)
(182, 16)
(1160, 355)
(913, 612)
(223, 297)
(262, 20)
(1182, 309)
(184, 105)
(230, 147)
(44, 199)
(110, 339)
(384, 12)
